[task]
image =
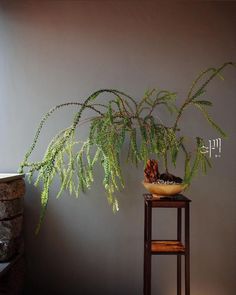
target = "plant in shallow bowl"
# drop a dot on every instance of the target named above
(121, 118)
(164, 184)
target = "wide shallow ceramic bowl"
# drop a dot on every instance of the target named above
(160, 189)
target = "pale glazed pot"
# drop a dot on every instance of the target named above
(160, 189)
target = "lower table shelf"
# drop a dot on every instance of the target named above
(167, 247)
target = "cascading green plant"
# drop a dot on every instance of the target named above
(121, 118)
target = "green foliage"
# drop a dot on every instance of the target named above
(208, 117)
(200, 161)
(72, 161)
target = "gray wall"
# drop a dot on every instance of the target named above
(56, 51)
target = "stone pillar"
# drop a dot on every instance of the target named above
(11, 217)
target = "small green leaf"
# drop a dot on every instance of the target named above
(203, 102)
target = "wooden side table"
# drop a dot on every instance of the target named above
(166, 247)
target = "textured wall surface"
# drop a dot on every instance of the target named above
(56, 51)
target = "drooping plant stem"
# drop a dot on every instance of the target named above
(201, 90)
(165, 156)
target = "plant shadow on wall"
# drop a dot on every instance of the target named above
(73, 160)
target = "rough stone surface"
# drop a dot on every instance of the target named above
(11, 219)
(8, 248)
(12, 189)
(11, 208)
(11, 228)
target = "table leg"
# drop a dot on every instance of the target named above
(179, 238)
(187, 251)
(147, 248)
